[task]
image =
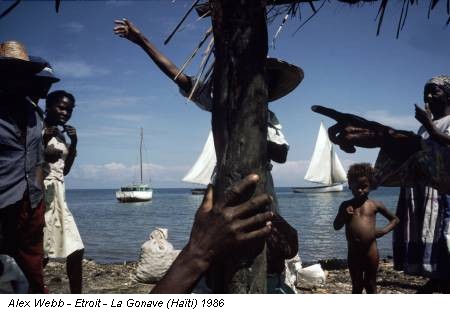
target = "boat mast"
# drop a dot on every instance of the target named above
(332, 163)
(140, 151)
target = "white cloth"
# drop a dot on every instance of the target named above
(56, 170)
(202, 97)
(12, 273)
(433, 213)
(61, 235)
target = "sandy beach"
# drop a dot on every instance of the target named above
(119, 278)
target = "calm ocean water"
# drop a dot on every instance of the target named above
(114, 232)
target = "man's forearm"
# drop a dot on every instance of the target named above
(184, 273)
(400, 144)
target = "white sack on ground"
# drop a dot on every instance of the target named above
(157, 255)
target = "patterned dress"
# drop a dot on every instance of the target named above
(421, 241)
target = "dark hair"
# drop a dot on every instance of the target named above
(54, 96)
(361, 170)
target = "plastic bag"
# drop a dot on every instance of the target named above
(311, 275)
(157, 255)
(292, 267)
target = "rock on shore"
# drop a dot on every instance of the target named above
(119, 278)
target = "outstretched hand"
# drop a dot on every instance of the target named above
(352, 130)
(232, 221)
(125, 29)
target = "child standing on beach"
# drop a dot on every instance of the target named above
(359, 217)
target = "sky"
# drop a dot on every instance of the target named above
(118, 89)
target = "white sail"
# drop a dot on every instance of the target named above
(338, 174)
(325, 166)
(203, 168)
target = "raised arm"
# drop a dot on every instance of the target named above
(72, 134)
(216, 230)
(125, 29)
(423, 117)
(393, 220)
(352, 130)
(342, 216)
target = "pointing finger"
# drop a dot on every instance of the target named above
(338, 116)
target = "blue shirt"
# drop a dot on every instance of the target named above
(21, 152)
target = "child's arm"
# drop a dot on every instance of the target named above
(343, 216)
(427, 123)
(393, 220)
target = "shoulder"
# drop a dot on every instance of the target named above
(346, 203)
(443, 124)
(375, 203)
(201, 96)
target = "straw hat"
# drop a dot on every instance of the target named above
(282, 78)
(14, 60)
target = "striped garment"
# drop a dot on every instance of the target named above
(421, 241)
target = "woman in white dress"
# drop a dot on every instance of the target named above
(61, 237)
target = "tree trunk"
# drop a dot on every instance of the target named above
(239, 123)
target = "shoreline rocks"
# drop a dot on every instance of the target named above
(119, 278)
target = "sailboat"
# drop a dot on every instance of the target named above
(203, 168)
(324, 168)
(137, 192)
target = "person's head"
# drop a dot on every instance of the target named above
(58, 107)
(436, 94)
(42, 81)
(17, 69)
(23, 75)
(360, 178)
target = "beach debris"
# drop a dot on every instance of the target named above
(296, 276)
(157, 255)
(312, 275)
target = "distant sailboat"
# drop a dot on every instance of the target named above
(203, 168)
(137, 192)
(324, 168)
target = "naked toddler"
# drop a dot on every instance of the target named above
(359, 217)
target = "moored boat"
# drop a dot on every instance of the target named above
(136, 192)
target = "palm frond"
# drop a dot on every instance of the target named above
(10, 8)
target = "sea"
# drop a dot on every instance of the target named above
(113, 232)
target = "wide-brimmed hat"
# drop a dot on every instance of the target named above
(47, 71)
(282, 78)
(14, 60)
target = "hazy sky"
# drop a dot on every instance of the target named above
(118, 89)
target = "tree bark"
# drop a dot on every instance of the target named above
(239, 123)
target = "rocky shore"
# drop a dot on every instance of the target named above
(119, 278)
